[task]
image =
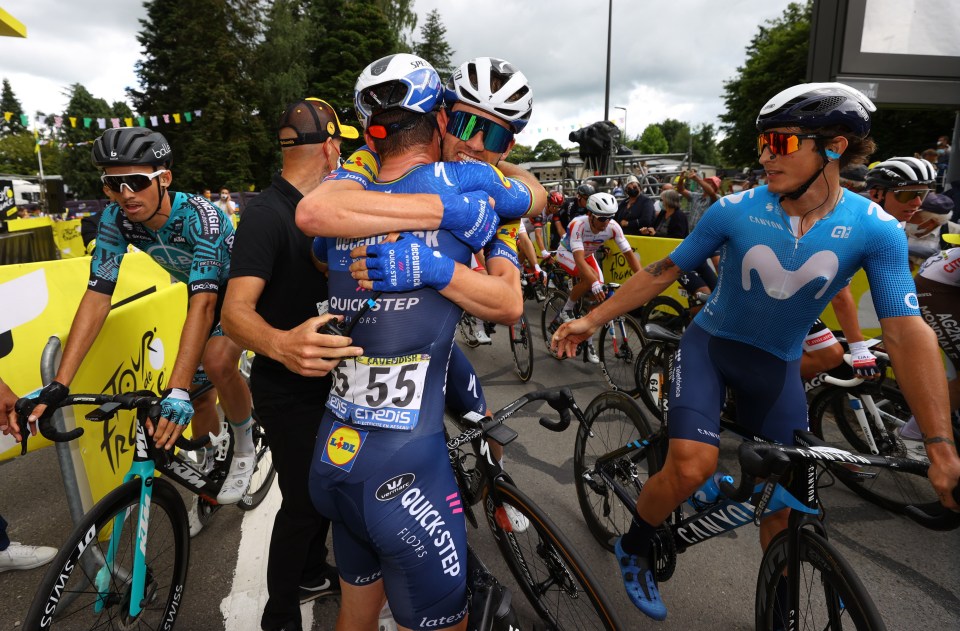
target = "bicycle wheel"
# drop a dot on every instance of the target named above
(263, 473)
(888, 488)
(79, 576)
(522, 347)
(611, 421)
(550, 572)
(466, 327)
(652, 374)
(831, 594)
(548, 317)
(621, 341)
(666, 312)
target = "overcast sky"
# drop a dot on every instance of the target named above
(669, 59)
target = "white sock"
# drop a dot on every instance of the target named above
(243, 437)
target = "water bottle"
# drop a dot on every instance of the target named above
(709, 492)
(386, 622)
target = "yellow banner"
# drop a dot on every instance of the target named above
(652, 249)
(66, 234)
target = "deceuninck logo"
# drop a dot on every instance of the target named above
(342, 446)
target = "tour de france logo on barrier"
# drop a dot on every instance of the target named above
(143, 371)
(342, 446)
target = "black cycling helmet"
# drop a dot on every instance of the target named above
(898, 172)
(131, 146)
(816, 105)
(585, 190)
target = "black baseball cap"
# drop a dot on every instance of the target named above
(315, 121)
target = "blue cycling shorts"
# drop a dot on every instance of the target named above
(767, 390)
(397, 515)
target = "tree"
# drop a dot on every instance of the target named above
(10, 103)
(433, 45)
(520, 154)
(401, 20)
(652, 140)
(776, 59)
(547, 150)
(17, 153)
(79, 173)
(677, 134)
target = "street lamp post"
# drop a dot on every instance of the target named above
(625, 135)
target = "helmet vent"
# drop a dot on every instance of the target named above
(823, 105)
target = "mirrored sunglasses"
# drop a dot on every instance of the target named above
(905, 197)
(465, 126)
(780, 143)
(136, 182)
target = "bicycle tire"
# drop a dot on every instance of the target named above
(611, 421)
(666, 312)
(522, 348)
(462, 327)
(559, 585)
(652, 374)
(552, 307)
(887, 488)
(67, 583)
(621, 342)
(263, 473)
(838, 600)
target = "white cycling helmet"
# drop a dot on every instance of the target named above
(602, 205)
(495, 86)
(897, 172)
(401, 81)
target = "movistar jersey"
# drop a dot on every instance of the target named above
(193, 245)
(782, 283)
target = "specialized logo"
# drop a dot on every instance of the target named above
(343, 444)
(394, 486)
(782, 284)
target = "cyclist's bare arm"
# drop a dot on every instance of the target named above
(302, 349)
(87, 323)
(504, 306)
(915, 354)
(845, 308)
(343, 208)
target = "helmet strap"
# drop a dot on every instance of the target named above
(799, 192)
(162, 191)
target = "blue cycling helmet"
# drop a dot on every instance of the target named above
(400, 81)
(816, 105)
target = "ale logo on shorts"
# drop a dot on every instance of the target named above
(342, 446)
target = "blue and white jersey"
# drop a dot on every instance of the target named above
(407, 336)
(773, 285)
(193, 245)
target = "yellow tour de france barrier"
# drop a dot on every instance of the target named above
(135, 350)
(651, 249)
(66, 234)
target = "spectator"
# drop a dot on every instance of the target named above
(15, 555)
(943, 152)
(672, 222)
(617, 190)
(854, 178)
(699, 202)
(224, 203)
(923, 227)
(636, 212)
(207, 195)
(658, 204)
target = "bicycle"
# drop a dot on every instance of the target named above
(621, 339)
(521, 345)
(104, 575)
(617, 450)
(550, 572)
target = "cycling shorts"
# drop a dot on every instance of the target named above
(464, 392)
(767, 390)
(569, 264)
(939, 306)
(397, 515)
(820, 336)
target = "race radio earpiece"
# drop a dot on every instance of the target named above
(833, 155)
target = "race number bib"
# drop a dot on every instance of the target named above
(380, 392)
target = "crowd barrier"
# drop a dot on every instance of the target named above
(66, 235)
(136, 349)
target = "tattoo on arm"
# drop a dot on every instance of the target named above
(658, 268)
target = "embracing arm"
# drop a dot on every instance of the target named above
(495, 296)
(538, 194)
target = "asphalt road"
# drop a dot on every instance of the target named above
(910, 572)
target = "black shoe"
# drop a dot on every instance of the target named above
(326, 584)
(292, 625)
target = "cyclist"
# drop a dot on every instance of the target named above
(572, 208)
(191, 239)
(398, 527)
(786, 248)
(899, 185)
(554, 201)
(575, 255)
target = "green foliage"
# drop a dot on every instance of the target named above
(402, 19)
(17, 154)
(10, 103)
(433, 45)
(547, 150)
(652, 140)
(78, 172)
(520, 154)
(776, 59)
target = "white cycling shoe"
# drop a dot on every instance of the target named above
(592, 354)
(481, 335)
(517, 519)
(238, 479)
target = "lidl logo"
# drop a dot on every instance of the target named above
(342, 446)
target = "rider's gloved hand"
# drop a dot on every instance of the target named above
(544, 254)
(407, 264)
(864, 362)
(176, 406)
(470, 217)
(52, 395)
(597, 290)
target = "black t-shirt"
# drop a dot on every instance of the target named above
(569, 210)
(639, 212)
(269, 245)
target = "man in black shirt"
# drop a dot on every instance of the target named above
(570, 210)
(273, 307)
